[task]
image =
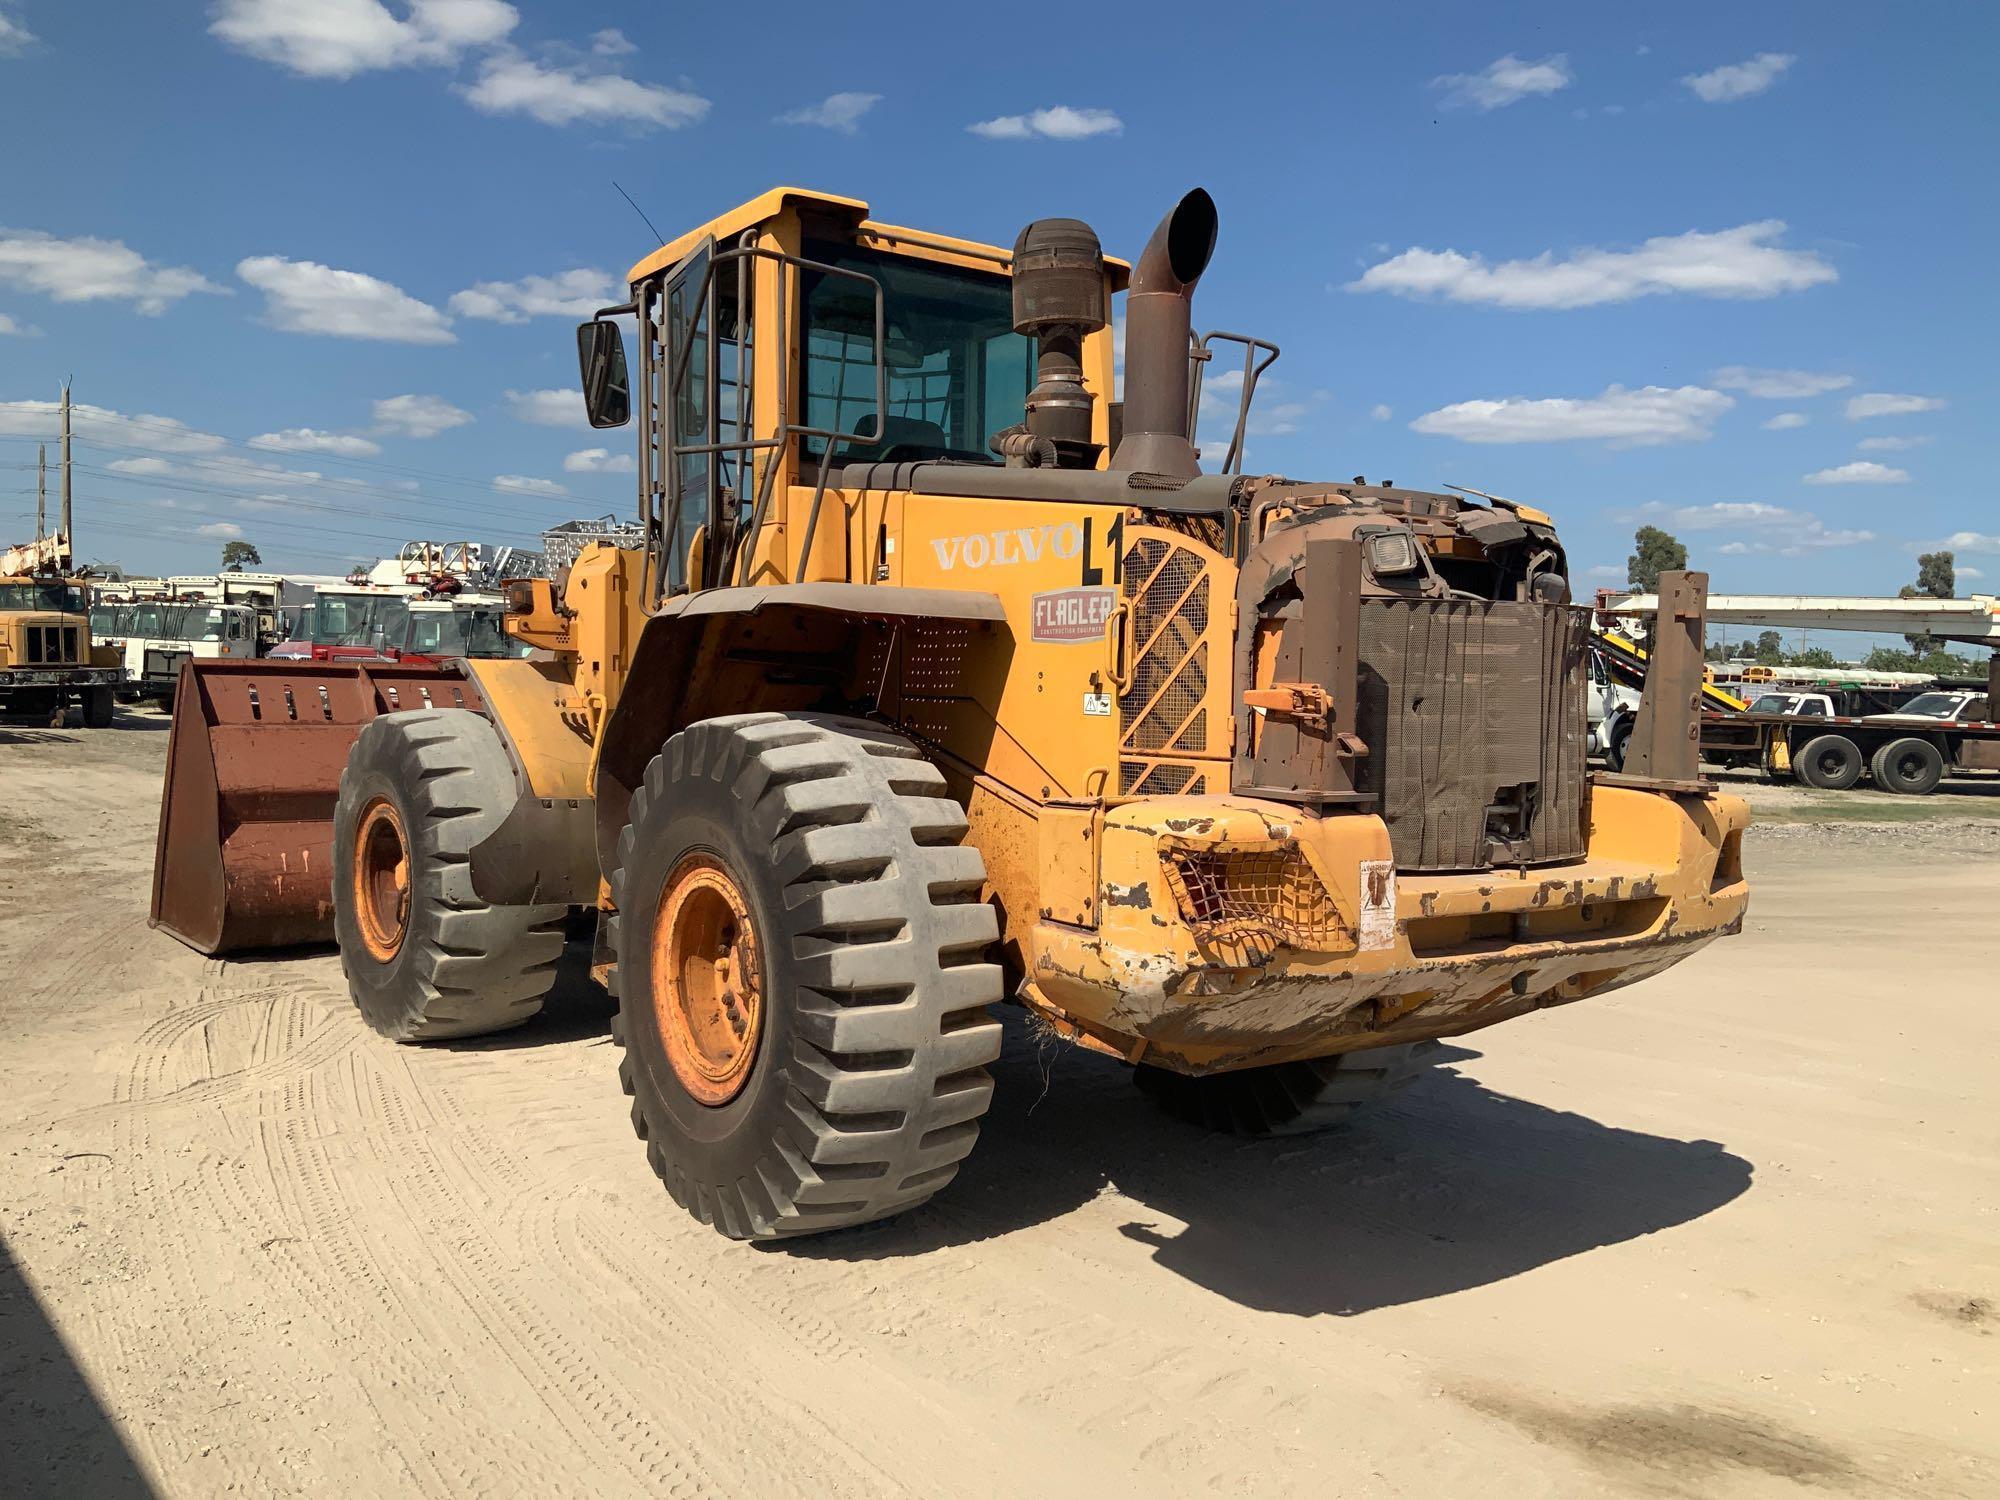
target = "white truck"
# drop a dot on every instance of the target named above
(154, 636)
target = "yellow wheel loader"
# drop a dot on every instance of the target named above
(941, 680)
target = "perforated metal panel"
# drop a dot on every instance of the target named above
(1473, 713)
(1162, 712)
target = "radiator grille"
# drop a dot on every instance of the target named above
(1161, 712)
(1473, 713)
(53, 645)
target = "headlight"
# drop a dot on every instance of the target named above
(1391, 552)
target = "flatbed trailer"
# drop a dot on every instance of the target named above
(1902, 753)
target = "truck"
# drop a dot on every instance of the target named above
(941, 679)
(1909, 752)
(47, 657)
(154, 636)
(275, 597)
(398, 622)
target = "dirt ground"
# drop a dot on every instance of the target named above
(1729, 1233)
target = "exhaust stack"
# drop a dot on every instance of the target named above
(1158, 327)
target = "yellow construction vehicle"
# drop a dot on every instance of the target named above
(47, 660)
(941, 679)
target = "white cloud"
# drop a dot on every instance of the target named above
(521, 484)
(1886, 404)
(1739, 80)
(340, 38)
(567, 294)
(222, 530)
(1607, 573)
(1380, 413)
(1785, 421)
(303, 296)
(14, 37)
(85, 269)
(1653, 414)
(549, 408)
(611, 43)
(312, 440)
(510, 83)
(96, 423)
(1774, 528)
(598, 461)
(418, 416)
(1272, 412)
(1892, 444)
(141, 467)
(1779, 385)
(1970, 541)
(9, 329)
(1861, 471)
(1735, 263)
(1975, 574)
(1506, 80)
(840, 112)
(1060, 122)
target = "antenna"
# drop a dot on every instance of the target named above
(641, 213)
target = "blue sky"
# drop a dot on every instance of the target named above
(1729, 268)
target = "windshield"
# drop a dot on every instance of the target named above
(68, 598)
(957, 371)
(459, 632)
(162, 621)
(359, 620)
(1933, 705)
(1770, 703)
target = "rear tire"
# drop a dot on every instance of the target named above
(1911, 766)
(863, 1031)
(1831, 762)
(426, 959)
(1294, 1098)
(99, 708)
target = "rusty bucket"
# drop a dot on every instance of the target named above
(253, 767)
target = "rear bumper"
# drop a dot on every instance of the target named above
(1384, 958)
(59, 677)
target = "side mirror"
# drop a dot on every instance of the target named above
(600, 357)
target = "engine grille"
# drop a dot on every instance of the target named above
(53, 645)
(1160, 716)
(1473, 713)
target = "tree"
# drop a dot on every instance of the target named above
(1655, 552)
(237, 555)
(1936, 579)
(1770, 648)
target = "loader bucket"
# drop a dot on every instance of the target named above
(253, 767)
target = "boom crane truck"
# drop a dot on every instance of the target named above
(941, 680)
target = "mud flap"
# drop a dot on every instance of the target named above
(245, 850)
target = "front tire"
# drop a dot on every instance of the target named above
(1293, 1098)
(426, 958)
(99, 708)
(801, 974)
(1831, 762)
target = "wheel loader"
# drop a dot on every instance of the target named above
(940, 679)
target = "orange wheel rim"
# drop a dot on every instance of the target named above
(381, 880)
(708, 991)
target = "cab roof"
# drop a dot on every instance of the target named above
(769, 204)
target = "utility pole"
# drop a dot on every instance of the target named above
(41, 489)
(69, 543)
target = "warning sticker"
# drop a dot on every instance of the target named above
(1378, 904)
(1072, 614)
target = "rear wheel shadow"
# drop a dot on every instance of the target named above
(1449, 1186)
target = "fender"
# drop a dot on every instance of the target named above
(741, 650)
(545, 850)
